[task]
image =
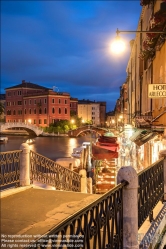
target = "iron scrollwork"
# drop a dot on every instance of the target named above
(97, 226)
(47, 171)
(150, 191)
(10, 168)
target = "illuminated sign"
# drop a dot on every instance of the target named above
(157, 90)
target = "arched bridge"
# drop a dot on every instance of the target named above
(87, 128)
(28, 127)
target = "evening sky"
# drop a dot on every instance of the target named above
(66, 45)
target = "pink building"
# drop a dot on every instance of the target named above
(31, 103)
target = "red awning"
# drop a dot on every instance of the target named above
(101, 153)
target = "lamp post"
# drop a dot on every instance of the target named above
(118, 46)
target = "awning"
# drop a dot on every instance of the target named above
(101, 153)
(143, 136)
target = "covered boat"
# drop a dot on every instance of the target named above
(100, 152)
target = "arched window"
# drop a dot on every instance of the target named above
(45, 110)
(59, 110)
(34, 111)
(53, 110)
(65, 110)
(14, 112)
(25, 112)
(29, 111)
(40, 111)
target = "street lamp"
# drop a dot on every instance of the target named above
(118, 46)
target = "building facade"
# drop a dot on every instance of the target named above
(92, 111)
(38, 105)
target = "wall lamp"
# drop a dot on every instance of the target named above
(118, 46)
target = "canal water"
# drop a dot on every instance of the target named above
(51, 147)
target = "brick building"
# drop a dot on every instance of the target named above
(38, 105)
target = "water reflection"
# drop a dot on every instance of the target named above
(51, 147)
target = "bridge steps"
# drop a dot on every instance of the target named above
(106, 178)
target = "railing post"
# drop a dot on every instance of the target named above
(130, 207)
(89, 185)
(162, 153)
(82, 172)
(25, 165)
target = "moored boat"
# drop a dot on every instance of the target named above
(3, 139)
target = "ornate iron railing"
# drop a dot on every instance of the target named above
(97, 226)
(10, 168)
(150, 190)
(46, 171)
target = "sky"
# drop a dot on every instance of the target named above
(65, 45)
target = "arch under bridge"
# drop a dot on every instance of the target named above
(31, 129)
(87, 128)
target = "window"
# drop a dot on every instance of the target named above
(19, 93)
(8, 112)
(14, 112)
(45, 110)
(19, 102)
(25, 102)
(45, 121)
(30, 101)
(25, 112)
(53, 110)
(40, 111)
(53, 100)
(29, 111)
(59, 101)
(35, 101)
(65, 101)
(65, 110)
(40, 121)
(45, 101)
(34, 111)
(59, 110)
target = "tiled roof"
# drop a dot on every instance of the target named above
(28, 85)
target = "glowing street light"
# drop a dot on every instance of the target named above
(118, 45)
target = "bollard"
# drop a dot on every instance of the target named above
(162, 153)
(82, 172)
(130, 207)
(25, 165)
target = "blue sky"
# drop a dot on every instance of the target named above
(66, 44)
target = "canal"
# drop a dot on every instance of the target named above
(51, 147)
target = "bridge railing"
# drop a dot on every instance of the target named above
(99, 225)
(9, 168)
(21, 124)
(46, 171)
(150, 190)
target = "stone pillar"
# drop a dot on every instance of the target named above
(89, 185)
(82, 172)
(162, 153)
(25, 165)
(71, 166)
(130, 207)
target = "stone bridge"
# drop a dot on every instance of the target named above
(87, 128)
(32, 129)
